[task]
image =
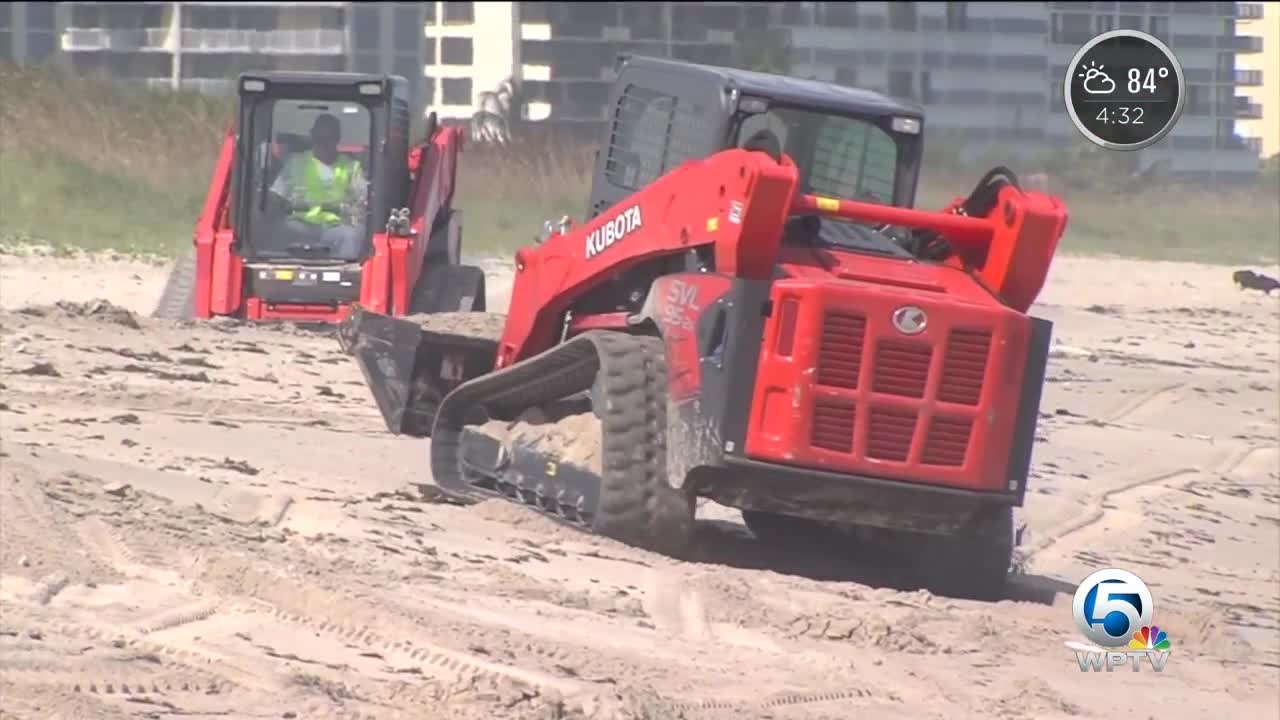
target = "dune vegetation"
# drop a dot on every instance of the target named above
(93, 164)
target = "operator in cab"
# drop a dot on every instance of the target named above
(323, 193)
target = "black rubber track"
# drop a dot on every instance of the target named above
(636, 504)
(178, 301)
(974, 563)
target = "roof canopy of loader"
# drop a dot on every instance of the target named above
(789, 90)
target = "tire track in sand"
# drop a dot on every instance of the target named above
(1097, 504)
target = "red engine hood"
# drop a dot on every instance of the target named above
(913, 276)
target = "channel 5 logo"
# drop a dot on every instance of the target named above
(1113, 609)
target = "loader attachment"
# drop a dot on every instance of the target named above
(411, 363)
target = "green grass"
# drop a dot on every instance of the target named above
(1230, 226)
(94, 166)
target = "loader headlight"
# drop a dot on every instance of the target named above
(906, 125)
(371, 88)
(251, 85)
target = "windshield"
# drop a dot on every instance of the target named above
(837, 156)
(310, 180)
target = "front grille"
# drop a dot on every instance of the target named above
(947, 441)
(889, 434)
(964, 367)
(840, 352)
(902, 368)
(832, 425)
(899, 367)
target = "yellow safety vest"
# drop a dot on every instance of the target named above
(304, 172)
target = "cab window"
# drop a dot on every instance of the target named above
(837, 156)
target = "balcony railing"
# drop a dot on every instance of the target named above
(1240, 142)
(271, 42)
(286, 8)
(1248, 11)
(1246, 43)
(274, 42)
(1248, 78)
(99, 39)
(1246, 109)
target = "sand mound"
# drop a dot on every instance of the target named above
(573, 438)
(473, 324)
(101, 310)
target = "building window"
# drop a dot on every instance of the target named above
(455, 91)
(1130, 22)
(247, 18)
(839, 14)
(1057, 97)
(1106, 23)
(40, 16)
(40, 46)
(794, 13)
(408, 31)
(85, 15)
(1071, 28)
(1160, 26)
(900, 84)
(1226, 132)
(1197, 100)
(456, 51)
(408, 67)
(902, 15)
(368, 63)
(459, 13)
(957, 16)
(846, 76)
(1226, 100)
(364, 28)
(429, 51)
(926, 88)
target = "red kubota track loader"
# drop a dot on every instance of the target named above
(393, 244)
(755, 314)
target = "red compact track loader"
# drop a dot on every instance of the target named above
(393, 243)
(756, 314)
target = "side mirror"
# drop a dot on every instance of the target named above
(432, 125)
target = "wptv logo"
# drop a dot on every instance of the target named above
(1113, 609)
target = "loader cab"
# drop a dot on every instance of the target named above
(321, 161)
(847, 143)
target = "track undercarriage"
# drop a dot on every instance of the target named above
(615, 379)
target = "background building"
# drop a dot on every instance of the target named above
(992, 71)
(1258, 75)
(986, 71)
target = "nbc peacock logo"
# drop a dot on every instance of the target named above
(1150, 638)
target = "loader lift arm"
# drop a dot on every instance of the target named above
(738, 200)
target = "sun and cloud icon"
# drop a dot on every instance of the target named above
(1097, 82)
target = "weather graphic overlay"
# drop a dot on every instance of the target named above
(1124, 90)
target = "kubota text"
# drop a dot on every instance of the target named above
(614, 230)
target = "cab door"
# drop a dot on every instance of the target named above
(660, 117)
